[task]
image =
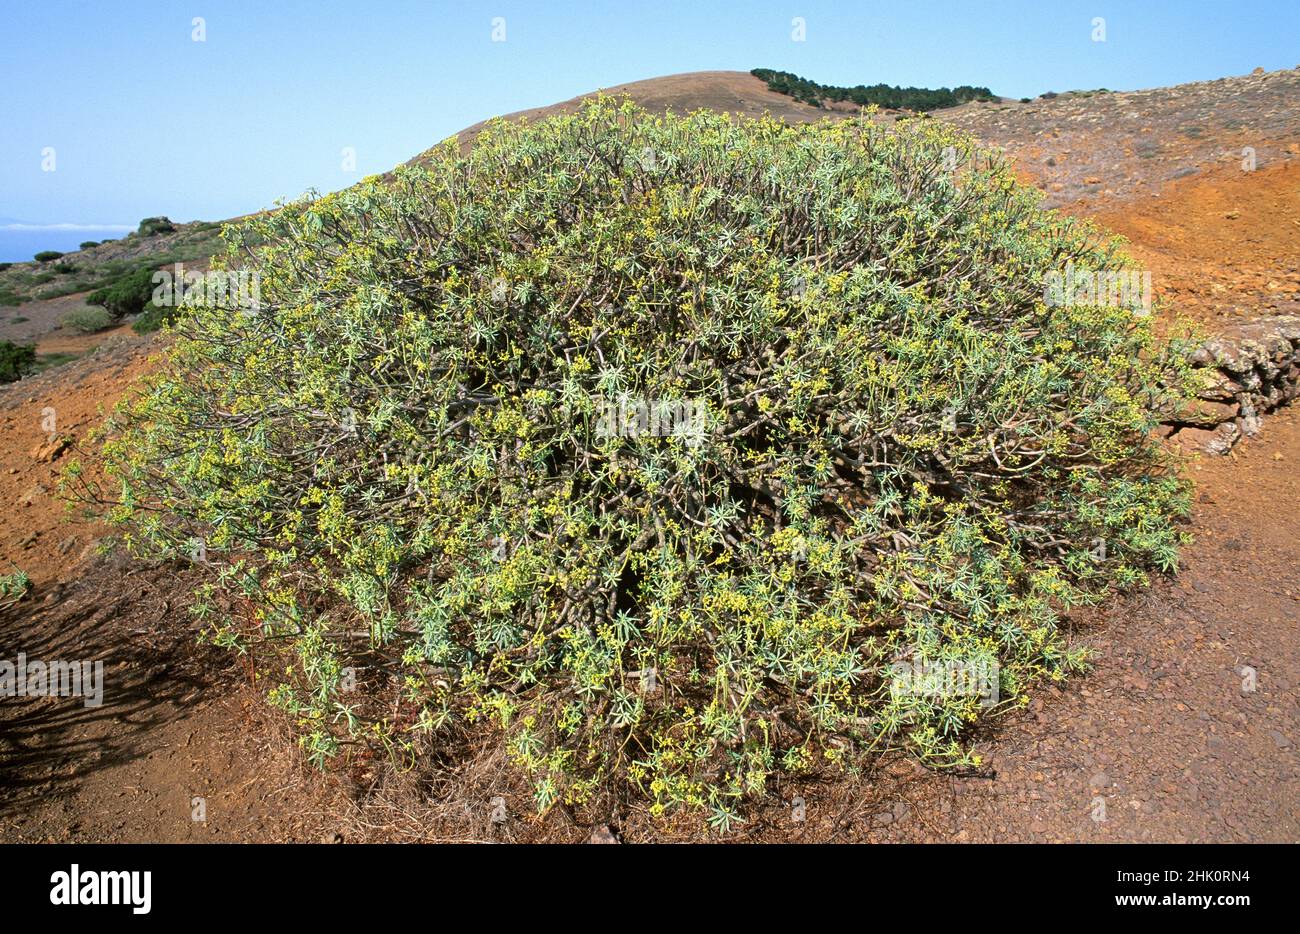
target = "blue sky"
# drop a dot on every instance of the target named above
(143, 120)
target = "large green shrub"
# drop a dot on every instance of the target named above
(402, 469)
(87, 320)
(128, 294)
(16, 360)
(152, 226)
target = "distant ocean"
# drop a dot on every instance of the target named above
(20, 243)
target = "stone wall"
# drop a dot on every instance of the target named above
(1249, 369)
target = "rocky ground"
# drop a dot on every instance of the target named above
(181, 749)
(1106, 146)
(1185, 730)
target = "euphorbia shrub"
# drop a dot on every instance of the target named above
(446, 458)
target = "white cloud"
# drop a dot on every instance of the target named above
(66, 227)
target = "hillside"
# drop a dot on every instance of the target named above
(34, 297)
(734, 92)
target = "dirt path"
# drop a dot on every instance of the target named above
(38, 415)
(182, 748)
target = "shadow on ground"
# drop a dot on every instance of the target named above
(124, 617)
